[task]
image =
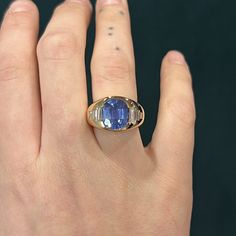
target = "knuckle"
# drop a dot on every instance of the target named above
(113, 70)
(58, 45)
(183, 109)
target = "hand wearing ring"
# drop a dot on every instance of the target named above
(70, 170)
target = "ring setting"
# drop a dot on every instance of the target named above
(116, 114)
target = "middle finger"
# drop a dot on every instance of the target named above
(62, 74)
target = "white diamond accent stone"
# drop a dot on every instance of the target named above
(96, 114)
(134, 115)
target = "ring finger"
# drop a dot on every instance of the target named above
(113, 67)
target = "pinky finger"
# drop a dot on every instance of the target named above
(173, 139)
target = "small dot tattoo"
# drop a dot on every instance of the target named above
(110, 30)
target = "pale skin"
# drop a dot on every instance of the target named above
(58, 175)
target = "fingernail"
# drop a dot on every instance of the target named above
(20, 6)
(108, 2)
(176, 57)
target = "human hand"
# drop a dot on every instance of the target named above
(58, 175)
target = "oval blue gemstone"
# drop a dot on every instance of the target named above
(115, 114)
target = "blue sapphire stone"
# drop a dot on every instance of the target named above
(115, 114)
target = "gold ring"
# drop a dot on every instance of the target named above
(116, 114)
